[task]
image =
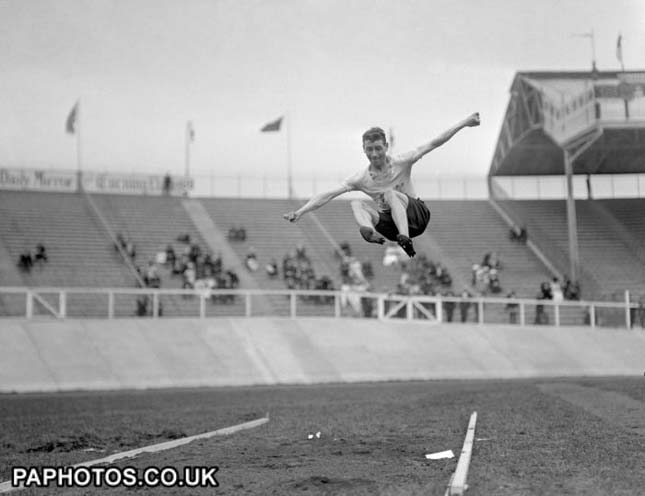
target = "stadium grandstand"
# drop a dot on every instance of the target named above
(572, 125)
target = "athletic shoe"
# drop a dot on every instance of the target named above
(406, 243)
(370, 235)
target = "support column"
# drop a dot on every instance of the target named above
(572, 222)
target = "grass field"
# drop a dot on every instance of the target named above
(533, 437)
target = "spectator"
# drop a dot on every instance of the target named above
(217, 264)
(518, 233)
(556, 290)
(190, 276)
(142, 305)
(392, 255)
(272, 268)
(170, 255)
(151, 276)
(26, 262)
(131, 249)
(464, 304)
(167, 184)
(241, 233)
(301, 252)
(368, 270)
(541, 317)
(512, 308)
(41, 253)
(493, 282)
(120, 242)
(251, 260)
(184, 238)
(346, 249)
(324, 284)
(449, 306)
(237, 233)
(571, 290)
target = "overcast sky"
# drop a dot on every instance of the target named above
(142, 68)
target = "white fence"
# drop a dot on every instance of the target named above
(64, 303)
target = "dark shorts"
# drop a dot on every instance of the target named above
(418, 219)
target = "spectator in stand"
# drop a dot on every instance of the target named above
(301, 251)
(41, 254)
(541, 317)
(237, 233)
(190, 276)
(184, 238)
(492, 261)
(272, 268)
(571, 290)
(170, 255)
(131, 249)
(518, 233)
(217, 264)
(167, 184)
(512, 308)
(368, 270)
(151, 276)
(346, 249)
(26, 262)
(464, 304)
(252, 260)
(556, 290)
(393, 255)
(494, 284)
(120, 242)
(209, 267)
(449, 306)
(142, 305)
(324, 284)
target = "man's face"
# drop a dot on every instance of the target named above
(375, 152)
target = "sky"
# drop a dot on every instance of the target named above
(143, 68)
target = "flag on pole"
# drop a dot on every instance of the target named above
(619, 49)
(70, 124)
(390, 138)
(190, 130)
(272, 126)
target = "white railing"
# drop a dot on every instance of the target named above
(108, 303)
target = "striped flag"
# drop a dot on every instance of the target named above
(272, 126)
(70, 123)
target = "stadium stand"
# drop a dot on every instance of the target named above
(152, 223)
(80, 254)
(609, 264)
(272, 237)
(467, 230)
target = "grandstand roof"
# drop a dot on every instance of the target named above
(549, 112)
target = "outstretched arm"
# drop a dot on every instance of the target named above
(470, 121)
(316, 202)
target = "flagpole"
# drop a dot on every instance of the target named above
(289, 162)
(187, 154)
(79, 164)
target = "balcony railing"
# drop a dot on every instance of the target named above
(62, 303)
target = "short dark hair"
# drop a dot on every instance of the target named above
(374, 134)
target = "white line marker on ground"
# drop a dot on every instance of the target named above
(457, 484)
(6, 487)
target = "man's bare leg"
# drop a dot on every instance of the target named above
(399, 205)
(367, 217)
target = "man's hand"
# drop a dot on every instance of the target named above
(292, 216)
(472, 120)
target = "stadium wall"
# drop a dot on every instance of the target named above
(134, 354)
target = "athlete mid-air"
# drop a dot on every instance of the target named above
(399, 215)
